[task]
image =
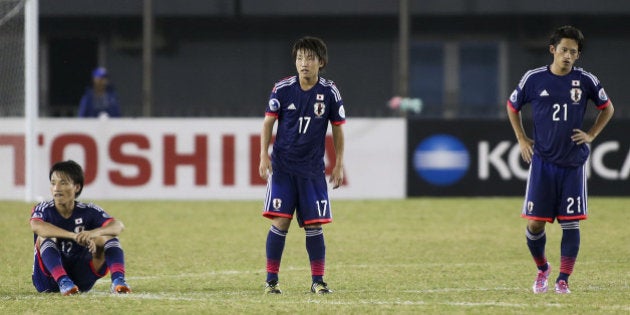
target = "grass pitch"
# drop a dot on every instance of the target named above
(426, 255)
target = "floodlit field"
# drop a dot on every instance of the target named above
(424, 256)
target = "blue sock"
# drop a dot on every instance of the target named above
(316, 248)
(569, 248)
(115, 258)
(275, 246)
(536, 244)
(51, 258)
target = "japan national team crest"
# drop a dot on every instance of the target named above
(530, 207)
(320, 108)
(576, 95)
(277, 203)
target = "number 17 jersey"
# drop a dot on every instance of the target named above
(558, 106)
(303, 118)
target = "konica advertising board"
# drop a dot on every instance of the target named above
(482, 158)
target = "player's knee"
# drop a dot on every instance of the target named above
(535, 227)
(313, 226)
(101, 241)
(281, 223)
(41, 240)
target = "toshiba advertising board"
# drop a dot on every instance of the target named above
(189, 158)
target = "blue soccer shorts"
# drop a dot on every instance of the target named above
(555, 192)
(307, 197)
(79, 268)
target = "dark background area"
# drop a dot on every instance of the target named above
(220, 58)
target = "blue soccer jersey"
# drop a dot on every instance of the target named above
(84, 217)
(303, 118)
(558, 106)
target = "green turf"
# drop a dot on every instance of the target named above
(426, 255)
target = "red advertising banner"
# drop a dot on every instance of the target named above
(189, 158)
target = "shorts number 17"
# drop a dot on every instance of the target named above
(322, 206)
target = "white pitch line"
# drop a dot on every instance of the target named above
(210, 274)
(293, 268)
(197, 296)
(448, 290)
(194, 275)
(420, 302)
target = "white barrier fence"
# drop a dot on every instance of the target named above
(188, 159)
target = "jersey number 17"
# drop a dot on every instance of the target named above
(304, 122)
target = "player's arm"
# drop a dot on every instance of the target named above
(526, 144)
(111, 228)
(48, 230)
(603, 117)
(336, 178)
(264, 168)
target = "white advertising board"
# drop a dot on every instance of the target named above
(189, 159)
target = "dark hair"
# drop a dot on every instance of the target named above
(567, 31)
(314, 44)
(71, 169)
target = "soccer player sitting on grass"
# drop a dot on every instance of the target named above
(75, 242)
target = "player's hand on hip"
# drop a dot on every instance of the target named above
(581, 137)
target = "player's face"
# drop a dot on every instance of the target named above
(62, 188)
(307, 64)
(565, 54)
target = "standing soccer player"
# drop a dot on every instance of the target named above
(75, 243)
(556, 187)
(303, 105)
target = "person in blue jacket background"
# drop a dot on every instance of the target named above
(100, 100)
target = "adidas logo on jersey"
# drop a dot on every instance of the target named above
(291, 107)
(544, 93)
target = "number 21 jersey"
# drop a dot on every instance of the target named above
(558, 106)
